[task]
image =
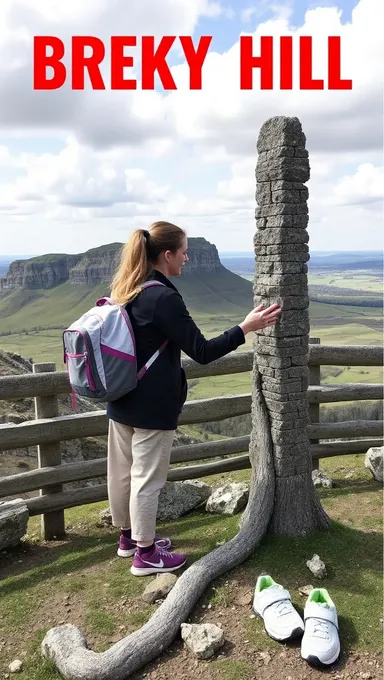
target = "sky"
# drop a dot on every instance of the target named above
(79, 169)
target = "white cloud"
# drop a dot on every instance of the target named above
(78, 178)
(333, 120)
(130, 157)
(247, 14)
(266, 8)
(366, 186)
(100, 119)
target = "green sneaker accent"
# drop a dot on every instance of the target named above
(265, 581)
(321, 597)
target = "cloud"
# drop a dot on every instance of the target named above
(222, 115)
(365, 186)
(265, 8)
(78, 178)
(129, 158)
(100, 119)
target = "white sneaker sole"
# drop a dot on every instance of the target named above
(126, 553)
(314, 660)
(295, 633)
(146, 571)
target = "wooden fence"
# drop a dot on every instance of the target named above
(50, 428)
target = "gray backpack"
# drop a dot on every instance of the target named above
(100, 352)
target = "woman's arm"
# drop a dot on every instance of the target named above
(173, 319)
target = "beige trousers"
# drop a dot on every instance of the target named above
(138, 463)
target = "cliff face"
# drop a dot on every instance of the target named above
(95, 266)
(203, 256)
(38, 273)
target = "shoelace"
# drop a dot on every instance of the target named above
(283, 607)
(320, 629)
(164, 553)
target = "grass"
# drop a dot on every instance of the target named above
(217, 302)
(356, 279)
(105, 598)
(227, 669)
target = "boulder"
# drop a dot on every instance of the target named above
(178, 498)
(14, 517)
(374, 462)
(228, 499)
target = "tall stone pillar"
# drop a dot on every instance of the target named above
(281, 353)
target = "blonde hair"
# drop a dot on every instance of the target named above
(138, 257)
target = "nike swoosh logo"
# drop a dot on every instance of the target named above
(154, 564)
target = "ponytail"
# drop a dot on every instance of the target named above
(138, 257)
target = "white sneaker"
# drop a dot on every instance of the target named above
(273, 604)
(320, 643)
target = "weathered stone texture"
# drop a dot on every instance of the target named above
(281, 249)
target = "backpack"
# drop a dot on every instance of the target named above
(100, 352)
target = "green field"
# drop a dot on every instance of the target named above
(357, 279)
(32, 321)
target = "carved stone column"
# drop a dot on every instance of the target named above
(281, 353)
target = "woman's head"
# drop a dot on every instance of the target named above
(162, 247)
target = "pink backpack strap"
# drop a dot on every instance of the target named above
(149, 284)
(104, 301)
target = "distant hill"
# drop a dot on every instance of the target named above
(341, 260)
(50, 291)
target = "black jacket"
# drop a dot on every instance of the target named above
(158, 314)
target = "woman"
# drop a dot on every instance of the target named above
(142, 423)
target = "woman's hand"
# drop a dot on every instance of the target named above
(260, 317)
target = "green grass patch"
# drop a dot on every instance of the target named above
(98, 621)
(228, 669)
(358, 280)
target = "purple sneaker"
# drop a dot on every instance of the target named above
(157, 562)
(127, 547)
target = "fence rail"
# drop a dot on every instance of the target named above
(46, 384)
(48, 429)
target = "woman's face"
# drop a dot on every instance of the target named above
(176, 261)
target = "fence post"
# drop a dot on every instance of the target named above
(52, 523)
(314, 409)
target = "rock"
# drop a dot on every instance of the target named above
(178, 498)
(159, 588)
(305, 590)
(321, 479)
(244, 600)
(266, 657)
(105, 517)
(228, 499)
(317, 567)
(16, 666)
(14, 517)
(202, 639)
(374, 462)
